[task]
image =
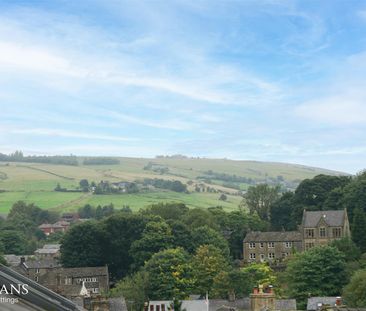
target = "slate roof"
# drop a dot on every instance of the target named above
(332, 218)
(286, 304)
(52, 246)
(313, 302)
(41, 263)
(84, 271)
(281, 236)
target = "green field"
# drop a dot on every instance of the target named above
(35, 183)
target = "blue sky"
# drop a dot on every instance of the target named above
(254, 80)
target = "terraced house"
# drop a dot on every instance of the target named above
(317, 228)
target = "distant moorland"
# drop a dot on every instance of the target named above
(54, 182)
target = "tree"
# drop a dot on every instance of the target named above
(181, 235)
(133, 288)
(355, 292)
(176, 305)
(82, 245)
(256, 274)
(207, 264)
(198, 217)
(207, 236)
(84, 185)
(13, 242)
(156, 236)
(281, 211)
(359, 229)
(170, 274)
(121, 230)
(223, 197)
(167, 210)
(320, 271)
(260, 198)
(349, 249)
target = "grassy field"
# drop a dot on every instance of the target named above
(34, 183)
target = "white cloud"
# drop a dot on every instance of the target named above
(70, 134)
(337, 110)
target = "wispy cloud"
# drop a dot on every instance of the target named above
(70, 134)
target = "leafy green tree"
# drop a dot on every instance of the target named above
(257, 274)
(260, 198)
(320, 271)
(198, 217)
(133, 288)
(167, 211)
(176, 305)
(13, 242)
(354, 195)
(207, 264)
(349, 249)
(156, 237)
(281, 211)
(82, 245)
(121, 229)
(84, 185)
(359, 229)
(181, 235)
(170, 274)
(355, 292)
(207, 236)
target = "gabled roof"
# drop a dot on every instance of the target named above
(280, 236)
(285, 304)
(331, 218)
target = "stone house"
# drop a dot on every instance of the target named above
(322, 227)
(271, 246)
(317, 228)
(66, 281)
(48, 251)
(59, 226)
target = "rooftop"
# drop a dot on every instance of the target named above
(332, 218)
(280, 236)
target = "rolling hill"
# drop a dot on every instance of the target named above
(206, 180)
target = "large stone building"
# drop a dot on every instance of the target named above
(317, 228)
(269, 246)
(321, 227)
(65, 281)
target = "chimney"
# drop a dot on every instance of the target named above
(22, 260)
(338, 301)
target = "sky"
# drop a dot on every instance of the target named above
(279, 81)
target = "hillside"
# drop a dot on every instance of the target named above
(206, 180)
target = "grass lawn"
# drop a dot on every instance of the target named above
(43, 199)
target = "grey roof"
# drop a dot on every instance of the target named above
(214, 304)
(41, 263)
(84, 271)
(189, 305)
(281, 236)
(285, 304)
(14, 260)
(46, 251)
(313, 302)
(332, 218)
(117, 304)
(52, 246)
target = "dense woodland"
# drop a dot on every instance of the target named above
(168, 250)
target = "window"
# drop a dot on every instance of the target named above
(309, 245)
(322, 232)
(94, 280)
(151, 307)
(37, 270)
(262, 257)
(337, 232)
(251, 245)
(157, 308)
(163, 307)
(270, 244)
(271, 255)
(261, 245)
(288, 244)
(36, 279)
(284, 255)
(95, 290)
(252, 256)
(68, 281)
(309, 233)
